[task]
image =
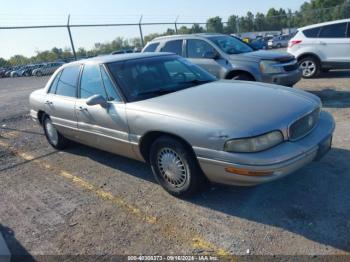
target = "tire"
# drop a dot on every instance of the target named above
(55, 139)
(242, 77)
(175, 167)
(39, 73)
(310, 67)
(279, 46)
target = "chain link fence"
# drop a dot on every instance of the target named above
(29, 49)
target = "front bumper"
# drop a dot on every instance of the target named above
(281, 160)
(285, 79)
(34, 116)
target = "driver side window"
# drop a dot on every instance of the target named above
(198, 48)
(91, 83)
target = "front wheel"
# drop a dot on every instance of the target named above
(54, 138)
(310, 67)
(175, 167)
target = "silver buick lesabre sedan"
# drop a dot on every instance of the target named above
(191, 128)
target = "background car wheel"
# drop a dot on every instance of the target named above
(175, 167)
(243, 77)
(52, 135)
(310, 67)
(279, 46)
(38, 73)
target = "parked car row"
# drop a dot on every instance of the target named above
(30, 70)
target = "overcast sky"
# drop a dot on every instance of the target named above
(44, 12)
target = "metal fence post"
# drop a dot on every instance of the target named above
(71, 39)
(176, 24)
(141, 34)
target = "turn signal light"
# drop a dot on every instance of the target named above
(245, 172)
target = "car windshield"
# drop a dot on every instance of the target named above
(146, 78)
(231, 45)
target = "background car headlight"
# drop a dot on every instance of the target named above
(269, 67)
(254, 144)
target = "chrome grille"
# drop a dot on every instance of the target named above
(304, 125)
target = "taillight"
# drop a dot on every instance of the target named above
(294, 42)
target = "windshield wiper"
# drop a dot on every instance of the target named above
(196, 81)
(156, 92)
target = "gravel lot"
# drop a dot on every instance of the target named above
(85, 201)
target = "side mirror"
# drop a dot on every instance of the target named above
(211, 55)
(96, 100)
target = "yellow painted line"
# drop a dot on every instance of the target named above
(108, 196)
(203, 244)
(196, 241)
(11, 134)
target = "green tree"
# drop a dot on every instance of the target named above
(215, 25)
(3, 62)
(232, 25)
(183, 30)
(196, 28)
(259, 22)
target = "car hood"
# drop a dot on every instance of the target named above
(266, 55)
(237, 108)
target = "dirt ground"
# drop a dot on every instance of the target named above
(82, 201)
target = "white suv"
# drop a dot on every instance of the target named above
(322, 47)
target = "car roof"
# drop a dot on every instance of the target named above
(116, 58)
(204, 35)
(325, 23)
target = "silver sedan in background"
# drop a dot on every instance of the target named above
(191, 128)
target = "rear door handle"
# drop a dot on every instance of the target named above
(322, 43)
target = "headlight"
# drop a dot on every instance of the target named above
(270, 67)
(254, 144)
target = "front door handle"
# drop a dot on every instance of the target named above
(48, 102)
(80, 108)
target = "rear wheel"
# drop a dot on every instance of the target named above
(175, 167)
(310, 67)
(54, 138)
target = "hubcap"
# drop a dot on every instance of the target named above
(51, 132)
(172, 167)
(308, 67)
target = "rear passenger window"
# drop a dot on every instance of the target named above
(54, 83)
(151, 47)
(173, 47)
(333, 31)
(312, 33)
(67, 83)
(91, 83)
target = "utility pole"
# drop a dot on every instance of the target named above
(71, 39)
